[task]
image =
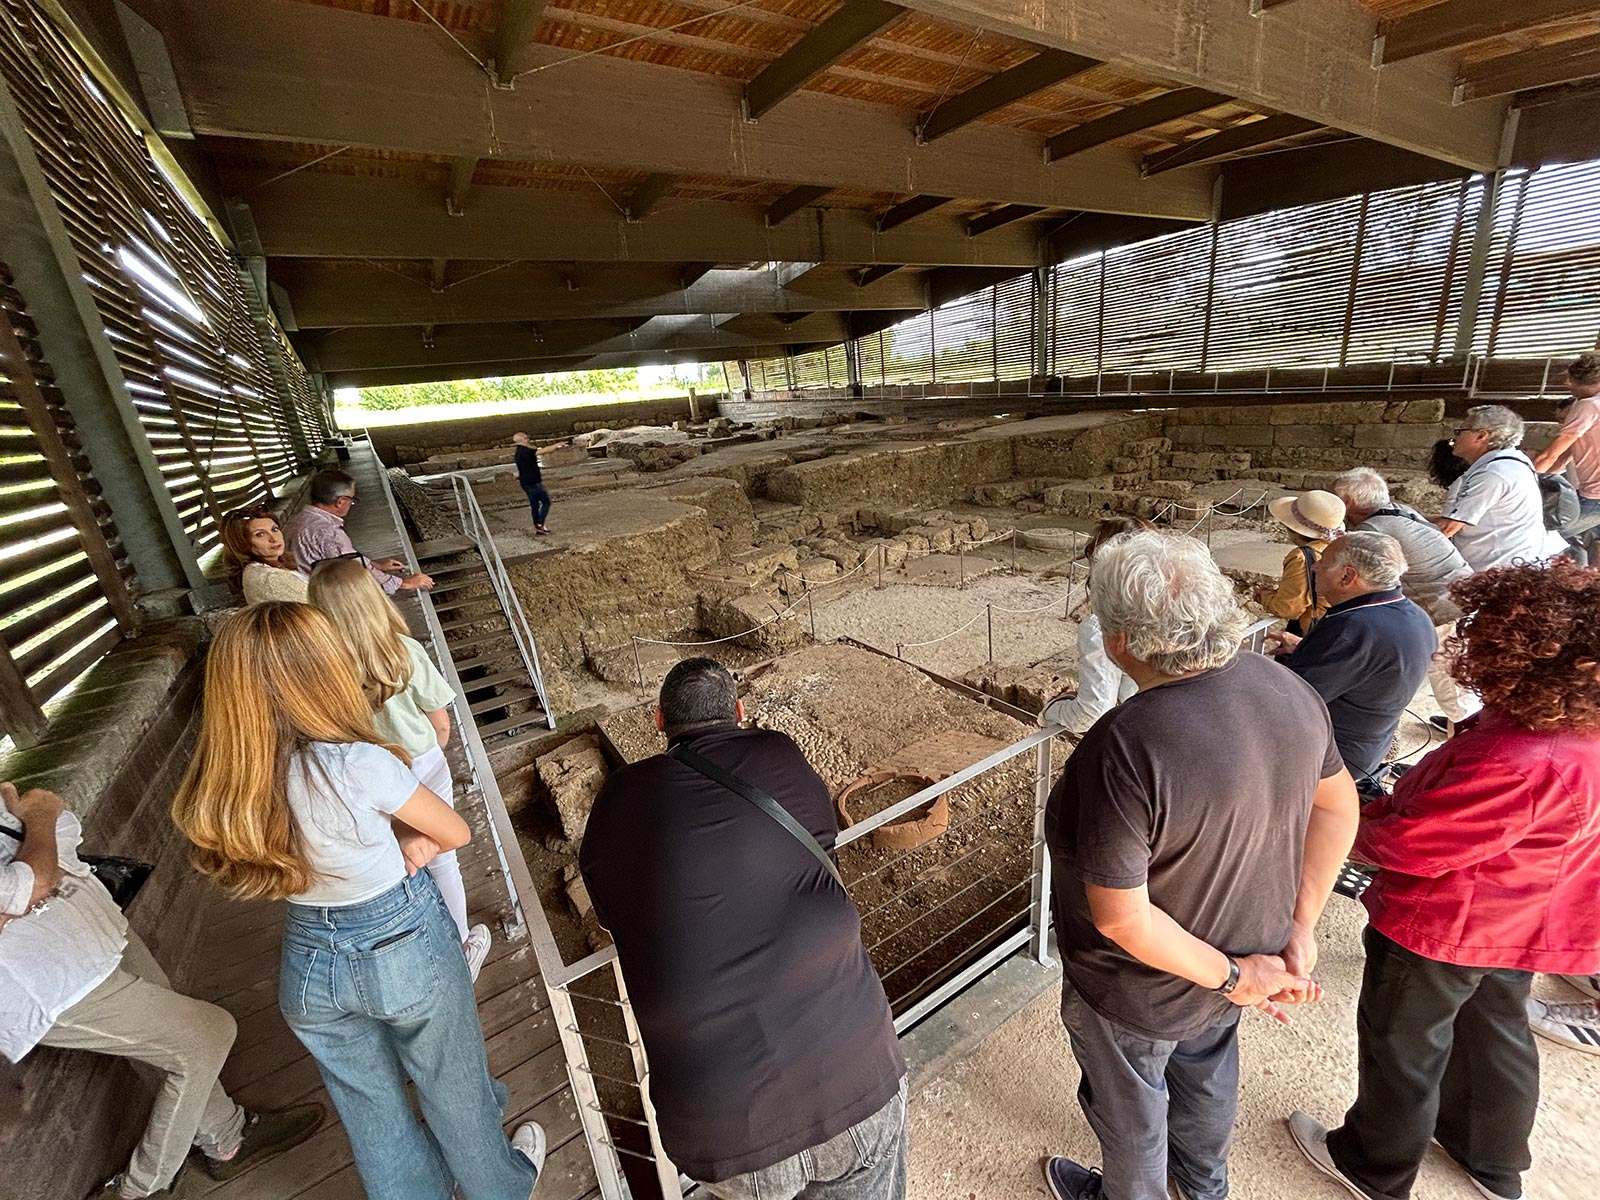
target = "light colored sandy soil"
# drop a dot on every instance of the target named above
(977, 1132)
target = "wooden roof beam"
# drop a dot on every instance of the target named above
(436, 273)
(280, 70)
(1315, 63)
(462, 168)
(647, 195)
(1004, 215)
(514, 25)
(868, 276)
(1230, 141)
(1457, 23)
(1182, 103)
(1045, 69)
(1545, 66)
(791, 202)
(910, 210)
(853, 23)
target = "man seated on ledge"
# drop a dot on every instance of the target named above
(73, 975)
(774, 1068)
(1369, 655)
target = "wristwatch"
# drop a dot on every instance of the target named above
(1233, 976)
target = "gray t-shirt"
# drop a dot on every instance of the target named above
(342, 797)
(1200, 789)
(1499, 502)
(1432, 561)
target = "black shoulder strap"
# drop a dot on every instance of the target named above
(699, 762)
(1311, 576)
(1400, 512)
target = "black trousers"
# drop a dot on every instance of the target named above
(1445, 1052)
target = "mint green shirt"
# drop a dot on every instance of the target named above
(404, 719)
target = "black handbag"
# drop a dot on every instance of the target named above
(122, 877)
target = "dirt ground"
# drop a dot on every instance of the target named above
(978, 1131)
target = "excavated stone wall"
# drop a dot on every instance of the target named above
(1324, 438)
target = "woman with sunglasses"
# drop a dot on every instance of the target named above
(259, 564)
(293, 795)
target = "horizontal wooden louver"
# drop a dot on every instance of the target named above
(1014, 328)
(908, 351)
(963, 339)
(1075, 291)
(1542, 293)
(168, 295)
(1153, 303)
(64, 596)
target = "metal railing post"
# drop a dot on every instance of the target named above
(585, 1096)
(1039, 911)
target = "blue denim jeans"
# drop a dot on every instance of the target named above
(1584, 531)
(538, 499)
(379, 992)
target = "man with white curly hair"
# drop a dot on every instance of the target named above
(1195, 836)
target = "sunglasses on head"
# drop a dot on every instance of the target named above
(247, 514)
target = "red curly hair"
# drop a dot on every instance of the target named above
(1530, 644)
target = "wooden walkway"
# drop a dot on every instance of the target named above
(235, 964)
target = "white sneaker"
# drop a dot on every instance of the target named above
(476, 949)
(1483, 1188)
(1589, 985)
(1576, 1024)
(528, 1141)
(1312, 1138)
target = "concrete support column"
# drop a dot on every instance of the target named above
(1477, 266)
(852, 362)
(35, 244)
(1041, 322)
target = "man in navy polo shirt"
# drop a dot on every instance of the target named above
(1369, 655)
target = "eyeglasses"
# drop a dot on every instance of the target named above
(1467, 429)
(248, 514)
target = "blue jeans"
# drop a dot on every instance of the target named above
(539, 499)
(377, 992)
(1586, 524)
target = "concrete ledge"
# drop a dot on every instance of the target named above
(955, 1030)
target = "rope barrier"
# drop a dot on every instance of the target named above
(946, 637)
(859, 567)
(732, 637)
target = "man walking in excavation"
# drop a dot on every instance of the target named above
(1195, 836)
(532, 480)
(774, 1068)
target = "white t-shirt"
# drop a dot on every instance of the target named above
(50, 960)
(342, 797)
(1101, 684)
(1499, 502)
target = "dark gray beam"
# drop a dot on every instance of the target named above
(868, 276)
(462, 169)
(287, 71)
(951, 283)
(1088, 233)
(1229, 141)
(607, 360)
(850, 25)
(514, 26)
(326, 215)
(1314, 62)
(791, 202)
(909, 210)
(1544, 66)
(1004, 215)
(1457, 23)
(1045, 69)
(438, 268)
(648, 194)
(692, 273)
(1325, 171)
(1182, 103)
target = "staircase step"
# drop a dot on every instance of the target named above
(441, 547)
(511, 724)
(534, 733)
(506, 698)
(487, 619)
(476, 642)
(450, 606)
(498, 677)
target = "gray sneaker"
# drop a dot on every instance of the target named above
(1589, 985)
(1311, 1136)
(1575, 1024)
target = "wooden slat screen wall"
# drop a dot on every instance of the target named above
(64, 595)
(1542, 293)
(963, 339)
(169, 296)
(1014, 328)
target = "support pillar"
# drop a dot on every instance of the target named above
(1477, 267)
(35, 244)
(852, 362)
(1041, 322)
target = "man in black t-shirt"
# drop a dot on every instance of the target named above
(532, 480)
(1195, 835)
(774, 1068)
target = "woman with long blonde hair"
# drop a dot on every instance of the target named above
(410, 707)
(293, 795)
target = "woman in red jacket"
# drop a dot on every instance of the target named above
(1489, 857)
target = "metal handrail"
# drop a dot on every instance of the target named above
(476, 526)
(524, 895)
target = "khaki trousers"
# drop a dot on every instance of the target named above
(135, 1014)
(1454, 700)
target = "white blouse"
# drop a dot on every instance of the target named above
(1101, 684)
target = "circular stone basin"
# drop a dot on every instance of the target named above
(878, 791)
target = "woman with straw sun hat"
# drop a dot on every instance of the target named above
(1313, 519)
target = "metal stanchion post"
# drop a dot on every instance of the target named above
(961, 562)
(1013, 551)
(882, 554)
(637, 664)
(811, 611)
(989, 613)
(1039, 907)
(900, 650)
